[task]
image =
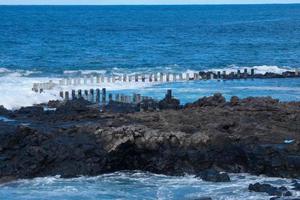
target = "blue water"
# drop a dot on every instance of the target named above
(136, 186)
(52, 39)
(42, 42)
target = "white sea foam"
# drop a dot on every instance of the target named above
(262, 69)
(139, 185)
(16, 72)
(84, 72)
(17, 91)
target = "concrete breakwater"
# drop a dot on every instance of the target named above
(157, 78)
(120, 102)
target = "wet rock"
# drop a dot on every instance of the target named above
(234, 101)
(76, 105)
(213, 176)
(237, 137)
(3, 111)
(119, 107)
(269, 189)
(216, 100)
(203, 198)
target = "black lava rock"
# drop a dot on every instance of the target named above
(214, 176)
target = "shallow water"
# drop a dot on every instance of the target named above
(136, 185)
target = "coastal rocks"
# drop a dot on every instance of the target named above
(77, 139)
(213, 175)
(216, 100)
(269, 189)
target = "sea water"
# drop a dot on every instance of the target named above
(137, 185)
(42, 43)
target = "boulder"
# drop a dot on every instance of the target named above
(216, 100)
(213, 175)
(269, 189)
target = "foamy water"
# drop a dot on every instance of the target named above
(137, 185)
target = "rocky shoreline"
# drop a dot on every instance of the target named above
(253, 135)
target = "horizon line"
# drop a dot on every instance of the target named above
(181, 4)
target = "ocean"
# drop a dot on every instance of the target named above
(41, 43)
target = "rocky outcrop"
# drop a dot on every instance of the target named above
(270, 190)
(213, 175)
(243, 135)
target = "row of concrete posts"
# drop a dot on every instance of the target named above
(100, 96)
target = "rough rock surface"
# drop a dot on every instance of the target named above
(270, 190)
(254, 135)
(213, 175)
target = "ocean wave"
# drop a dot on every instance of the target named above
(83, 72)
(140, 185)
(261, 69)
(17, 72)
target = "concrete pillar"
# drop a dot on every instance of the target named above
(212, 76)
(73, 94)
(138, 98)
(174, 77)
(67, 95)
(161, 77)
(124, 78)
(103, 99)
(238, 73)
(150, 78)
(97, 95)
(168, 77)
(79, 94)
(122, 98)
(98, 79)
(92, 79)
(136, 78)
(103, 95)
(110, 97)
(134, 98)
(117, 97)
(155, 77)
(92, 95)
(187, 75)
(219, 75)
(85, 80)
(86, 95)
(252, 72)
(169, 94)
(77, 81)
(224, 74)
(102, 78)
(180, 76)
(297, 73)
(196, 76)
(128, 99)
(61, 94)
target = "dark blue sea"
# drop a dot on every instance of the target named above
(42, 43)
(52, 39)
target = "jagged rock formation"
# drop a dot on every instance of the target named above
(255, 135)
